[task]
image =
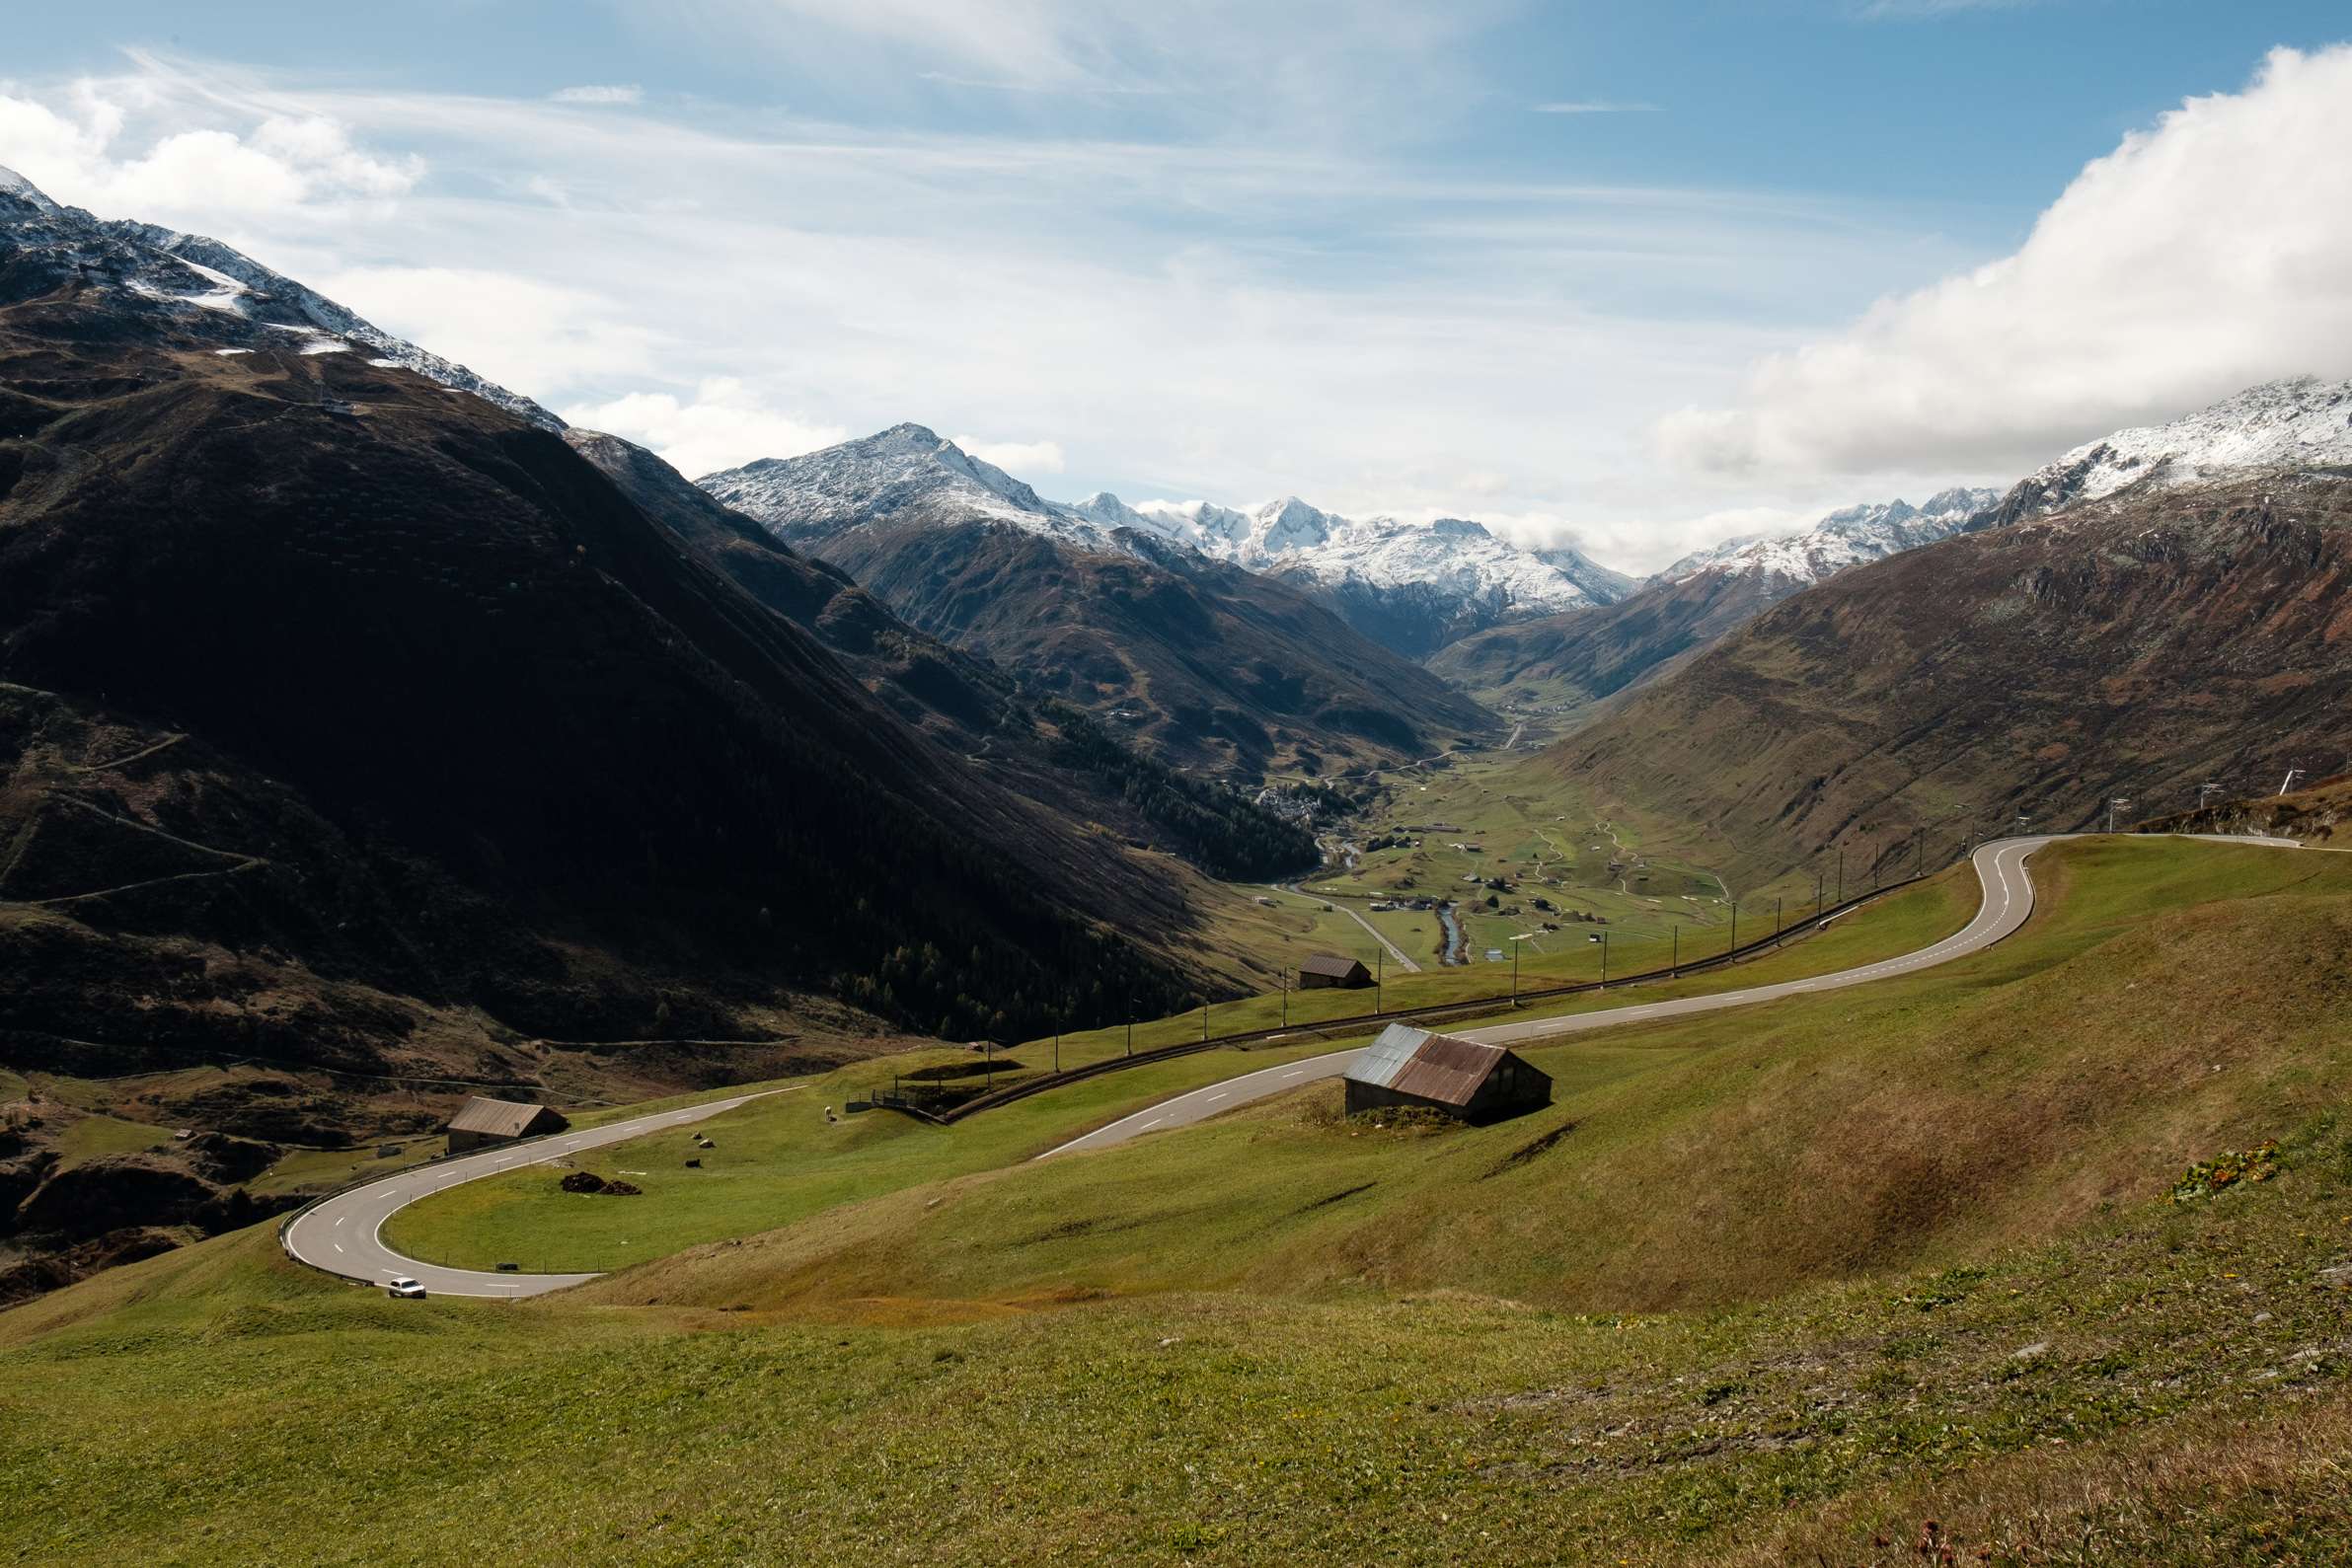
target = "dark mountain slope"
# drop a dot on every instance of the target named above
(2135, 646)
(448, 674)
(1045, 751)
(1213, 665)
(1223, 667)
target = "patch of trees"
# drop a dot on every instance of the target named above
(1213, 825)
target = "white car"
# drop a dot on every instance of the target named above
(401, 1288)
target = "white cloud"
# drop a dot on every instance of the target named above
(270, 163)
(2202, 256)
(1175, 310)
(614, 93)
(524, 332)
(1020, 459)
(724, 424)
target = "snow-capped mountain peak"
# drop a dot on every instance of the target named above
(2299, 422)
(1281, 527)
(16, 184)
(1844, 538)
(907, 473)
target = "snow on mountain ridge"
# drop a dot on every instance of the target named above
(16, 184)
(908, 472)
(2299, 422)
(234, 298)
(1844, 538)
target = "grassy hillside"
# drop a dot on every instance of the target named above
(2163, 1388)
(1928, 1236)
(779, 1160)
(2002, 1098)
(2135, 646)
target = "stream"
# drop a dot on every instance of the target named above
(1457, 946)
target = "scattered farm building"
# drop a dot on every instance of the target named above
(1407, 1067)
(480, 1123)
(1330, 970)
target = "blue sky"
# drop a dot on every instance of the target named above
(1635, 275)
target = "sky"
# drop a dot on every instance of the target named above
(1631, 277)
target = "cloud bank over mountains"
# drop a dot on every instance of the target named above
(1247, 316)
(2206, 254)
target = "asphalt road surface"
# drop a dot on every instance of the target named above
(2008, 901)
(343, 1234)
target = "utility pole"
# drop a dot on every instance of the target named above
(1734, 947)
(1604, 960)
(1286, 999)
(1380, 975)
(1057, 1051)
(1918, 849)
(1817, 878)
(1674, 965)
(1776, 923)
(1130, 1025)
(1204, 1022)
(1841, 874)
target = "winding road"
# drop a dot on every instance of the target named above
(2008, 901)
(343, 1234)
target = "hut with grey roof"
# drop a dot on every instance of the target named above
(480, 1122)
(1407, 1067)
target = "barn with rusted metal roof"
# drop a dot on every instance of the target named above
(1409, 1066)
(482, 1121)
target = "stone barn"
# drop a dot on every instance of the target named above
(481, 1123)
(1407, 1067)
(1326, 970)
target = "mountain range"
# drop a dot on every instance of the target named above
(2160, 609)
(1210, 663)
(1569, 663)
(1410, 587)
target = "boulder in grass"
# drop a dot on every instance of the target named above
(582, 1181)
(622, 1189)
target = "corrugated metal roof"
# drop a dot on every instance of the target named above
(1332, 965)
(1435, 1066)
(497, 1118)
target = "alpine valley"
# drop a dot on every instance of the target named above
(843, 1010)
